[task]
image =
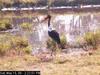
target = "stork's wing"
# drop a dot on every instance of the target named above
(55, 36)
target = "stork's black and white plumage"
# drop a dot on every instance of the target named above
(53, 33)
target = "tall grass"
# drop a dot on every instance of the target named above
(5, 24)
(90, 39)
(63, 41)
(26, 26)
(9, 42)
(28, 1)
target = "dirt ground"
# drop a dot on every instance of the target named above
(86, 63)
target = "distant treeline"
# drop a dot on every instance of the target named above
(38, 3)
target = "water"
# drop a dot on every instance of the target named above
(71, 25)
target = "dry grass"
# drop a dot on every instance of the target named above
(28, 1)
(62, 64)
(10, 44)
(77, 65)
(17, 62)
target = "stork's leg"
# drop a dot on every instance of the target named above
(59, 46)
(53, 52)
(54, 49)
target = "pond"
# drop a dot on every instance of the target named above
(71, 25)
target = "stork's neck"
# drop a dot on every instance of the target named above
(49, 29)
(49, 22)
(49, 25)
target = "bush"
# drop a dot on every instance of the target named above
(90, 39)
(21, 44)
(97, 37)
(17, 43)
(5, 24)
(4, 47)
(63, 41)
(2, 50)
(81, 43)
(26, 26)
(27, 49)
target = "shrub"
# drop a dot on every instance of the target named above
(17, 43)
(2, 27)
(63, 41)
(97, 37)
(92, 38)
(81, 43)
(4, 47)
(21, 44)
(8, 26)
(26, 25)
(5, 24)
(2, 50)
(27, 49)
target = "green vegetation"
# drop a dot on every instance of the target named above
(26, 26)
(89, 39)
(92, 38)
(5, 24)
(28, 1)
(27, 49)
(18, 41)
(63, 41)
(5, 3)
(81, 43)
(4, 47)
(9, 42)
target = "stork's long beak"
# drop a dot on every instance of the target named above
(46, 18)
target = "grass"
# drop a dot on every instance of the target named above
(77, 65)
(10, 2)
(5, 24)
(17, 62)
(90, 39)
(26, 26)
(28, 1)
(9, 43)
(70, 65)
(65, 65)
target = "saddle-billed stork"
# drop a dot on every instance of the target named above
(53, 33)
